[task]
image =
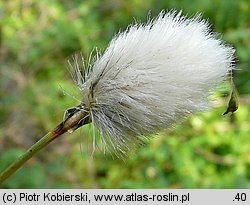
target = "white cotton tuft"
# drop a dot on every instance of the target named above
(151, 76)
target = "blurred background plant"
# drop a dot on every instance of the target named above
(36, 37)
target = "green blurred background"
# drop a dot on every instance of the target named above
(36, 37)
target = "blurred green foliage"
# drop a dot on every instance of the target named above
(36, 37)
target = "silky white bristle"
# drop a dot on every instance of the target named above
(151, 76)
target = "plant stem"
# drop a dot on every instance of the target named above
(45, 140)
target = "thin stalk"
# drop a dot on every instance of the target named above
(68, 125)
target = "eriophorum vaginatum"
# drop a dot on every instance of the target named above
(149, 77)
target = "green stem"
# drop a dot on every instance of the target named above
(45, 140)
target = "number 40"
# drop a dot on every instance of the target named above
(241, 197)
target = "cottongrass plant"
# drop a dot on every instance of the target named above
(151, 76)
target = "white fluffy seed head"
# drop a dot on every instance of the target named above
(151, 76)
